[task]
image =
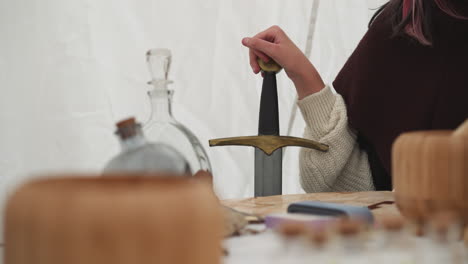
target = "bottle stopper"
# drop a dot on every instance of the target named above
(159, 64)
(127, 128)
(129, 122)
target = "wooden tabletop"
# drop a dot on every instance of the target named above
(279, 204)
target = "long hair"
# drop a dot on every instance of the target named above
(414, 17)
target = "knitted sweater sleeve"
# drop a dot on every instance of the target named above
(345, 166)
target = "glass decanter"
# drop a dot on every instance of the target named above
(161, 126)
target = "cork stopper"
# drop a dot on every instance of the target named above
(270, 66)
(126, 123)
(127, 128)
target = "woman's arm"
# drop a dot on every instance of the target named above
(345, 166)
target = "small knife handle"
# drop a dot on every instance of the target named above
(268, 121)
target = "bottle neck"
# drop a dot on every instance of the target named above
(160, 99)
(133, 142)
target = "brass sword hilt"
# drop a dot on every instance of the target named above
(268, 143)
(268, 165)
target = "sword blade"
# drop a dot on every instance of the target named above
(268, 173)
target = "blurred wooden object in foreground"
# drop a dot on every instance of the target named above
(120, 220)
(430, 173)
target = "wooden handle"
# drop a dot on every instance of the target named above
(462, 130)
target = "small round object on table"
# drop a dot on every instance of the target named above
(119, 220)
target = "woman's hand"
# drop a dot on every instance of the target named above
(274, 43)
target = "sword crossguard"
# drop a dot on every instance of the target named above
(269, 143)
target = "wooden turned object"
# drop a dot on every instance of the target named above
(113, 220)
(430, 173)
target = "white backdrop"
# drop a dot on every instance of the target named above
(70, 69)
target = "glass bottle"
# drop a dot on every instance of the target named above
(161, 126)
(139, 155)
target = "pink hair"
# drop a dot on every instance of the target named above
(415, 8)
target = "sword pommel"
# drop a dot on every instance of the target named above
(268, 143)
(271, 66)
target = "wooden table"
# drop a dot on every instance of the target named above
(260, 248)
(279, 204)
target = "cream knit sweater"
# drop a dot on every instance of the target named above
(345, 166)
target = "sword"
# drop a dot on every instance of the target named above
(268, 168)
(268, 143)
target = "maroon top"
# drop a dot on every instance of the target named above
(394, 84)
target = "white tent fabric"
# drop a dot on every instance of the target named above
(70, 69)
